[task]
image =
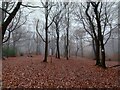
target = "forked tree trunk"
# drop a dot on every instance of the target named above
(100, 36)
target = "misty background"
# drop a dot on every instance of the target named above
(26, 40)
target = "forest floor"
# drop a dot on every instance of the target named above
(31, 72)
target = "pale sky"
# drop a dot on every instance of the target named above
(63, 0)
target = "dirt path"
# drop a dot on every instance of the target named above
(31, 72)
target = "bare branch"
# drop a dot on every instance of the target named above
(11, 6)
(38, 31)
(91, 23)
(32, 6)
(4, 10)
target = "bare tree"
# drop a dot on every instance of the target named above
(9, 11)
(9, 18)
(79, 35)
(48, 7)
(37, 41)
(59, 9)
(67, 30)
(95, 22)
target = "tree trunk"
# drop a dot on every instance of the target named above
(119, 32)
(81, 45)
(67, 46)
(103, 58)
(1, 36)
(100, 36)
(77, 50)
(46, 45)
(8, 48)
(102, 53)
(0, 42)
(94, 48)
(58, 50)
(97, 55)
(37, 45)
(9, 19)
(46, 33)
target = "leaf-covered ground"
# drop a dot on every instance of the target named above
(31, 72)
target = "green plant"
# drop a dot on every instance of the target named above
(9, 52)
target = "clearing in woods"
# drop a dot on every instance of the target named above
(31, 72)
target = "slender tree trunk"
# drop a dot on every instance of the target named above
(81, 47)
(8, 48)
(58, 50)
(67, 46)
(77, 50)
(37, 45)
(94, 48)
(14, 38)
(46, 46)
(57, 41)
(1, 36)
(0, 44)
(46, 34)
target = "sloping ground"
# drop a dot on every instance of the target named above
(31, 72)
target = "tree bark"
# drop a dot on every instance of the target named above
(67, 46)
(97, 53)
(94, 48)
(46, 33)
(100, 36)
(57, 42)
(81, 45)
(9, 19)
(0, 43)
(103, 53)
(46, 46)
(1, 36)
(96, 37)
(77, 49)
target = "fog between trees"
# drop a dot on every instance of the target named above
(62, 29)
